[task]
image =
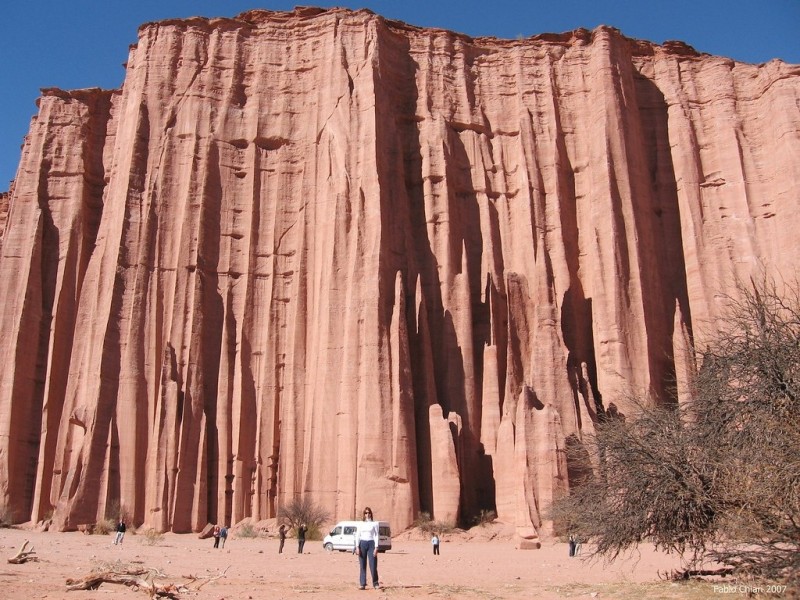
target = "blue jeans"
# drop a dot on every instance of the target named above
(366, 552)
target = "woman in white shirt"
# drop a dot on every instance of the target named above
(367, 537)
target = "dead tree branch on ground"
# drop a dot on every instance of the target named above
(139, 578)
(23, 555)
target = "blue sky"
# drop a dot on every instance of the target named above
(82, 43)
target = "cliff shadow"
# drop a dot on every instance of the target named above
(579, 465)
(578, 334)
(61, 311)
(664, 216)
(212, 309)
(430, 217)
(577, 327)
(405, 247)
(197, 481)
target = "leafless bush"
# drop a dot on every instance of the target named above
(151, 537)
(303, 510)
(103, 527)
(115, 510)
(425, 523)
(747, 415)
(715, 479)
(485, 518)
(652, 483)
(247, 530)
(6, 517)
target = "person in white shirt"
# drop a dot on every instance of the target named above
(367, 537)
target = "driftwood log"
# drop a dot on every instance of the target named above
(139, 578)
(24, 554)
(136, 578)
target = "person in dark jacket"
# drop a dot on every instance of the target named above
(282, 536)
(223, 535)
(120, 531)
(301, 537)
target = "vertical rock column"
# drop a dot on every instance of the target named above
(51, 227)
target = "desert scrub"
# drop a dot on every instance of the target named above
(424, 522)
(151, 537)
(104, 527)
(444, 526)
(304, 510)
(6, 518)
(247, 530)
(115, 511)
(314, 533)
(428, 525)
(486, 517)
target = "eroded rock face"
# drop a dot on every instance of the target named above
(322, 253)
(4, 198)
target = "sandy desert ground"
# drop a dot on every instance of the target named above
(466, 568)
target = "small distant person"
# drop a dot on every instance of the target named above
(121, 528)
(367, 538)
(301, 537)
(223, 535)
(282, 536)
(435, 544)
(215, 533)
(573, 545)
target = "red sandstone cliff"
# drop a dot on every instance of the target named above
(4, 199)
(325, 253)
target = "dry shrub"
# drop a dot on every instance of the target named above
(485, 518)
(717, 478)
(425, 523)
(247, 530)
(151, 537)
(104, 527)
(304, 510)
(6, 517)
(115, 509)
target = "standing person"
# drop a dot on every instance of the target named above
(301, 537)
(572, 545)
(435, 544)
(367, 538)
(120, 532)
(215, 533)
(282, 536)
(223, 535)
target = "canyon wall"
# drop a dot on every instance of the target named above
(326, 254)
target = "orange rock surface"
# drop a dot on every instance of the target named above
(322, 253)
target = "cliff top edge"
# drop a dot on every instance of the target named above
(302, 14)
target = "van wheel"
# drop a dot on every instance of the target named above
(328, 547)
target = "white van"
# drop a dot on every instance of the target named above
(343, 537)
